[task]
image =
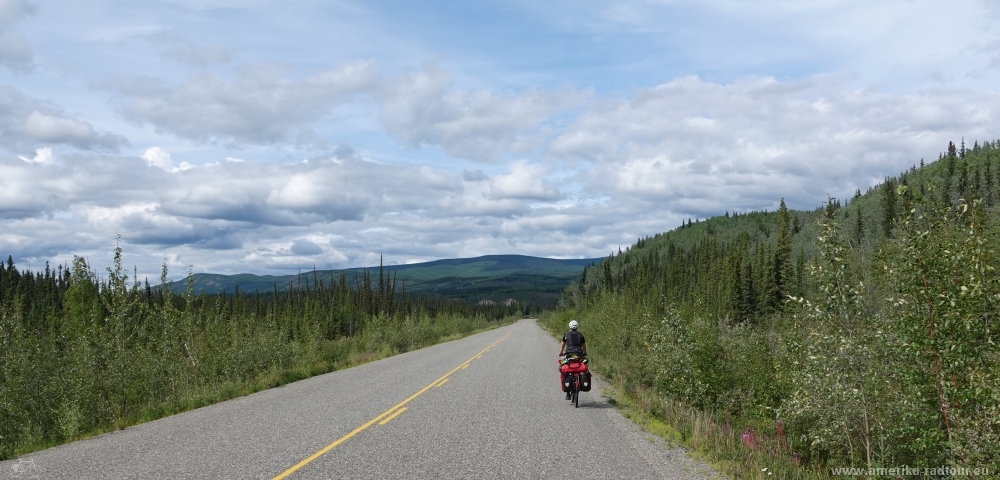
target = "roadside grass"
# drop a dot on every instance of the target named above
(339, 354)
(738, 448)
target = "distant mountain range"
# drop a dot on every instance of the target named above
(538, 281)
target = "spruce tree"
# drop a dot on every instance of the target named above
(962, 187)
(782, 256)
(859, 227)
(988, 181)
(888, 206)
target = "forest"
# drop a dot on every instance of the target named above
(861, 334)
(83, 353)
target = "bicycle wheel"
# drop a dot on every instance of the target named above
(576, 391)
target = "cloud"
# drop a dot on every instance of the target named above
(158, 157)
(15, 51)
(525, 181)
(420, 108)
(620, 169)
(476, 175)
(699, 147)
(27, 124)
(69, 131)
(256, 107)
(42, 155)
(305, 248)
(242, 215)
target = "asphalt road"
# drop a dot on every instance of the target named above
(487, 406)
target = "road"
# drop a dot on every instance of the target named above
(487, 406)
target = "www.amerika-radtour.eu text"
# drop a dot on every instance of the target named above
(911, 471)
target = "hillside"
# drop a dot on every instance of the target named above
(538, 281)
(860, 334)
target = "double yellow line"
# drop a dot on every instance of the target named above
(389, 414)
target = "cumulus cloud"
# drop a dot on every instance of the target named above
(26, 124)
(256, 107)
(593, 179)
(621, 169)
(15, 51)
(157, 157)
(42, 155)
(701, 147)
(69, 131)
(420, 108)
(525, 181)
(233, 215)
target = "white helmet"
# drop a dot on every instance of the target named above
(573, 325)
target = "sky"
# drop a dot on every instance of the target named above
(256, 137)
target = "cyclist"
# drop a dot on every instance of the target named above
(573, 344)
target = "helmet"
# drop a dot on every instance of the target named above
(573, 325)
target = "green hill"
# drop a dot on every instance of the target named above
(862, 333)
(538, 281)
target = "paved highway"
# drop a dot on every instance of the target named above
(487, 406)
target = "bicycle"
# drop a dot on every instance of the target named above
(575, 377)
(26, 468)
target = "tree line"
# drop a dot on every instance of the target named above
(82, 353)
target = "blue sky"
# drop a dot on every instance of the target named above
(241, 136)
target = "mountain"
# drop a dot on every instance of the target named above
(538, 281)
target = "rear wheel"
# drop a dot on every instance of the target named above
(576, 391)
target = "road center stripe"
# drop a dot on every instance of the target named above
(400, 407)
(390, 417)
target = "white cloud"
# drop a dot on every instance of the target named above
(525, 181)
(700, 147)
(256, 107)
(42, 155)
(421, 108)
(57, 129)
(27, 123)
(612, 138)
(157, 157)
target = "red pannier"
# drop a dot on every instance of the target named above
(574, 365)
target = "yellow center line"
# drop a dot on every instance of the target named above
(390, 417)
(442, 382)
(394, 409)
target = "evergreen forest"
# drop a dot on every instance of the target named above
(82, 353)
(861, 334)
